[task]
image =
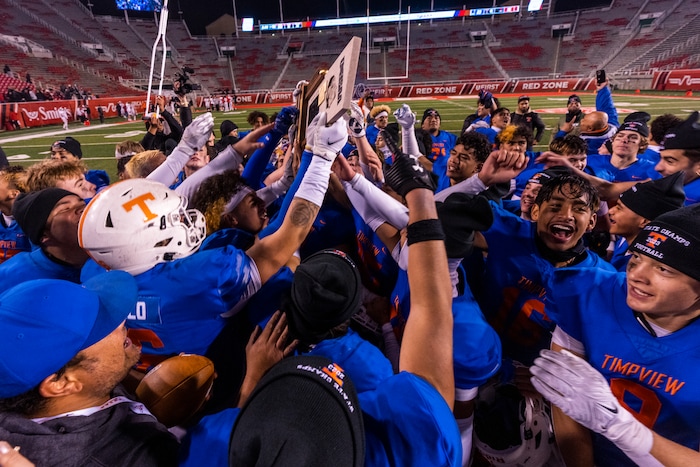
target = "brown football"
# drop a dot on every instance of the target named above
(177, 388)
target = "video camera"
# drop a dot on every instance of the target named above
(182, 83)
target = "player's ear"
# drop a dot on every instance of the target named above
(229, 220)
(535, 212)
(59, 386)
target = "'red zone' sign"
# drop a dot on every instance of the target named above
(553, 85)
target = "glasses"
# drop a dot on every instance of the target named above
(433, 113)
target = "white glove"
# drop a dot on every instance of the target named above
(329, 140)
(311, 130)
(297, 90)
(197, 133)
(288, 173)
(583, 394)
(356, 122)
(405, 117)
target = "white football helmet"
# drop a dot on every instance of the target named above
(135, 224)
(512, 429)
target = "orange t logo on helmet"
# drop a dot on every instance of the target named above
(140, 202)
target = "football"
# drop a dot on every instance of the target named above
(177, 388)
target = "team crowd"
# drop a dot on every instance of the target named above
(372, 290)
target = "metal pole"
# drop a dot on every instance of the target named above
(235, 17)
(281, 17)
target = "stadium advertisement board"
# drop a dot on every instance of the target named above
(553, 85)
(42, 113)
(677, 80)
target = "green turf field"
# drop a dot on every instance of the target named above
(30, 145)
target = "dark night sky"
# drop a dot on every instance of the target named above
(198, 16)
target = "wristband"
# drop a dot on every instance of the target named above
(424, 231)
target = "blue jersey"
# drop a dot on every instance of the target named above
(12, 240)
(490, 134)
(406, 420)
(363, 362)
(620, 258)
(377, 268)
(27, 266)
(638, 171)
(476, 346)
(442, 145)
(650, 155)
(333, 226)
(515, 296)
(182, 304)
(692, 192)
(440, 169)
(655, 378)
(371, 133)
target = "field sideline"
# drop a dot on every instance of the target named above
(32, 144)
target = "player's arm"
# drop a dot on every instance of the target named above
(584, 395)
(426, 349)
(673, 454)
(369, 161)
(609, 191)
(573, 440)
(273, 251)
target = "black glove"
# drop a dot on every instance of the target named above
(406, 173)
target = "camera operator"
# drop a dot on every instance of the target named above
(182, 84)
(164, 131)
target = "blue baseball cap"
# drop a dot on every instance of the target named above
(46, 322)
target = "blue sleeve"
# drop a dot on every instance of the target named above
(255, 168)
(207, 442)
(604, 103)
(275, 223)
(560, 134)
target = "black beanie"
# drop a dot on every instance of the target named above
(304, 411)
(31, 210)
(226, 127)
(674, 240)
(460, 215)
(685, 136)
(325, 293)
(71, 145)
(636, 126)
(651, 199)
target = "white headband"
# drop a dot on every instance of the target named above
(119, 155)
(237, 198)
(383, 113)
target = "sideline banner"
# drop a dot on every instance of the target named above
(39, 113)
(676, 80)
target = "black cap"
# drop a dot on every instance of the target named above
(31, 210)
(651, 199)
(523, 98)
(641, 116)
(325, 293)
(637, 127)
(304, 411)
(685, 136)
(430, 112)
(544, 176)
(573, 98)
